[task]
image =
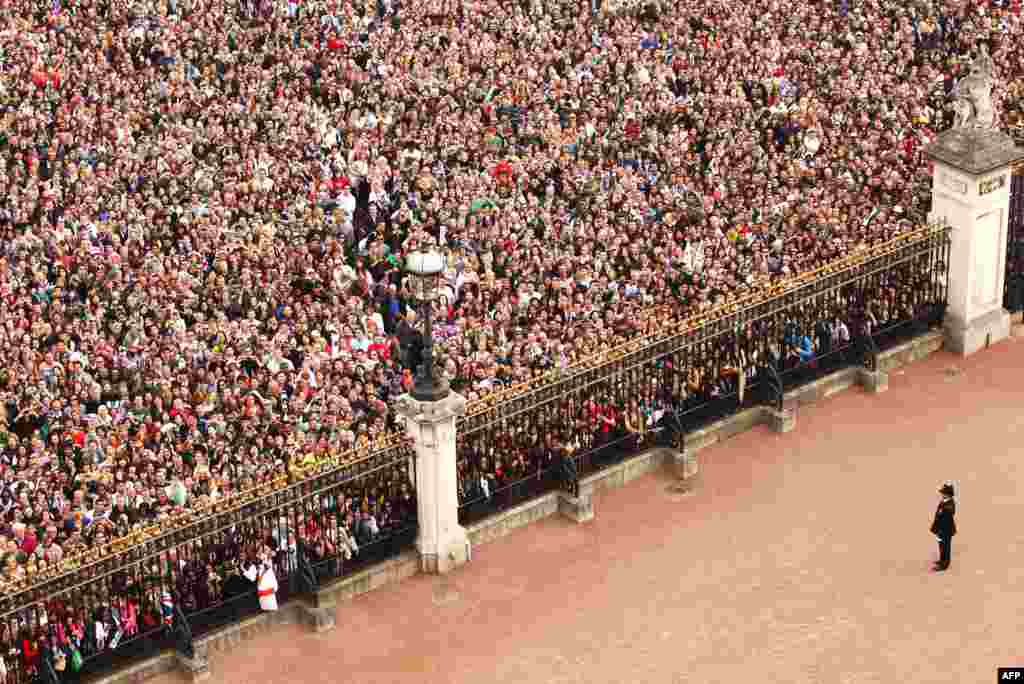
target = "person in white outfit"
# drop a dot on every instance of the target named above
(262, 573)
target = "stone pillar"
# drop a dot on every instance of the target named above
(971, 193)
(442, 542)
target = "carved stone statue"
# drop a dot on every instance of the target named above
(972, 95)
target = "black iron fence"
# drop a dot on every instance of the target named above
(189, 576)
(1013, 298)
(650, 390)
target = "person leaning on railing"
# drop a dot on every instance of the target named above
(635, 424)
(550, 453)
(517, 471)
(840, 333)
(462, 480)
(695, 390)
(568, 469)
(606, 420)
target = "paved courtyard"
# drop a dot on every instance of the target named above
(804, 558)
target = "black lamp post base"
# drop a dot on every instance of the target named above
(430, 391)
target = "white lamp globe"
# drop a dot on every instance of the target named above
(424, 263)
(812, 142)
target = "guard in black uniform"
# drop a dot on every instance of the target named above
(944, 527)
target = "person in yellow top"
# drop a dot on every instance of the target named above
(635, 424)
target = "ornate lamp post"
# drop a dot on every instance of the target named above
(430, 411)
(425, 269)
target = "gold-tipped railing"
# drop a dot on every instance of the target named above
(694, 322)
(37, 585)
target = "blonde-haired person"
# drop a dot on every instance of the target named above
(635, 424)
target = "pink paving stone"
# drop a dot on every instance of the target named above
(803, 558)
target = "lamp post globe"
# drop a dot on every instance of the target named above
(425, 267)
(424, 264)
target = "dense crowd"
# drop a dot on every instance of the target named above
(678, 392)
(211, 579)
(206, 205)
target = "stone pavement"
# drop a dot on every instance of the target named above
(804, 558)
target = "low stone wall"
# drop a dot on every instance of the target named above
(319, 611)
(906, 354)
(500, 524)
(140, 672)
(581, 508)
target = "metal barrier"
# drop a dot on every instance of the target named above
(1013, 292)
(184, 576)
(169, 585)
(749, 352)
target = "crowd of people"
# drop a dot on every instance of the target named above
(213, 580)
(680, 391)
(206, 205)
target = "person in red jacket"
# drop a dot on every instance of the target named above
(30, 653)
(632, 129)
(605, 417)
(24, 538)
(503, 173)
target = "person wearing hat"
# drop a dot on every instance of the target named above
(944, 527)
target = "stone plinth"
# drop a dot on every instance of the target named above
(971, 193)
(783, 420)
(579, 509)
(442, 542)
(873, 381)
(686, 469)
(319, 612)
(196, 668)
